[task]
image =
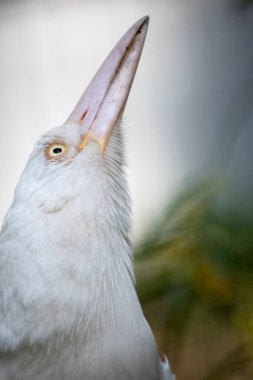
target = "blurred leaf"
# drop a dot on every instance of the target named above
(197, 265)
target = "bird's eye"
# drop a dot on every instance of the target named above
(56, 150)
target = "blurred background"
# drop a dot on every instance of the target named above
(189, 141)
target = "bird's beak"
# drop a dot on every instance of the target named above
(105, 97)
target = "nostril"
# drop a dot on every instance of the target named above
(83, 116)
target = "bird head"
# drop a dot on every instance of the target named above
(82, 162)
(71, 214)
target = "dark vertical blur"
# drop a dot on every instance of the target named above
(195, 270)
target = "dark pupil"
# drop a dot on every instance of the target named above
(57, 150)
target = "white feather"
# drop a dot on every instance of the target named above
(68, 305)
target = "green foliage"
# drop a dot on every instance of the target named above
(195, 280)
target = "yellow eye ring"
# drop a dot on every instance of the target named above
(56, 150)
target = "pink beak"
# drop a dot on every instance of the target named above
(105, 98)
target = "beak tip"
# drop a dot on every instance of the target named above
(146, 19)
(143, 22)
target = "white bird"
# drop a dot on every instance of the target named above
(68, 305)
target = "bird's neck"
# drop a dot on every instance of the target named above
(86, 289)
(74, 292)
